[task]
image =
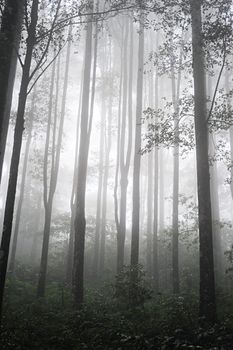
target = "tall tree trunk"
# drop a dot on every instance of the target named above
(161, 190)
(175, 204)
(149, 214)
(217, 244)
(125, 149)
(9, 43)
(137, 155)
(156, 190)
(80, 220)
(18, 136)
(96, 258)
(120, 246)
(70, 253)
(36, 228)
(108, 145)
(227, 88)
(22, 186)
(207, 283)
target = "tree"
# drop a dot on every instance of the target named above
(125, 136)
(137, 152)
(100, 190)
(22, 185)
(207, 283)
(85, 132)
(156, 185)
(19, 127)
(55, 162)
(175, 217)
(70, 252)
(108, 145)
(11, 23)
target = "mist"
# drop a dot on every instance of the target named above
(116, 195)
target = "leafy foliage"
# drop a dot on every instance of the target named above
(131, 287)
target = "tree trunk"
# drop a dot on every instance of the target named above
(207, 283)
(137, 155)
(80, 220)
(36, 228)
(175, 203)
(70, 253)
(120, 243)
(125, 150)
(108, 145)
(96, 259)
(47, 198)
(18, 136)
(44, 255)
(9, 43)
(156, 190)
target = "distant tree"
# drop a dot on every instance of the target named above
(49, 191)
(70, 252)
(108, 146)
(155, 251)
(85, 132)
(137, 155)
(125, 149)
(22, 185)
(96, 256)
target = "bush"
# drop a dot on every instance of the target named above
(131, 287)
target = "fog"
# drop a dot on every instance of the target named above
(124, 172)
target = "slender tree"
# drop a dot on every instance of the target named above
(22, 185)
(156, 189)
(108, 145)
(70, 252)
(85, 132)
(55, 162)
(175, 216)
(137, 155)
(125, 141)
(96, 258)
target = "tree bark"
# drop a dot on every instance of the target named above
(207, 282)
(9, 42)
(70, 253)
(96, 259)
(125, 149)
(175, 204)
(80, 220)
(108, 145)
(137, 155)
(156, 190)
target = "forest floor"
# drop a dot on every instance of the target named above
(162, 322)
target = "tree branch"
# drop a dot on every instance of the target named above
(217, 84)
(48, 42)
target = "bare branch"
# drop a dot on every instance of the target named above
(217, 84)
(48, 42)
(48, 65)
